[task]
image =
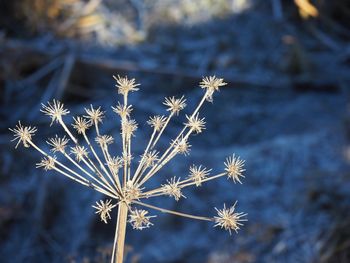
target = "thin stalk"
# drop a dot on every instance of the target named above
(120, 230)
(98, 159)
(163, 128)
(140, 166)
(174, 212)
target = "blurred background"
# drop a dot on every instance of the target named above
(285, 111)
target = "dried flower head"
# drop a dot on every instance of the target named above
(115, 163)
(150, 158)
(195, 123)
(139, 220)
(104, 140)
(47, 163)
(80, 152)
(234, 168)
(129, 127)
(182, 146)
(103, 209)
(131, 192)
(211, 84)
(127, 158)
(54, 110)
(117, 177)
(157, 122)
(23, 134)
(198, 173)
(58, 144)
(175, 105)
(228, 219)
(125, 85)
(94, 115)
(81, 124)
(173, 189)
(123, 111)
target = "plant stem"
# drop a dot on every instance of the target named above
(119, 238)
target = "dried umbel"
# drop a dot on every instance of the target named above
(121, 178)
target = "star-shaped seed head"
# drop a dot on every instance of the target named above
(125, 85)
(80, 152)
(175, 105)
(104, 209)
(173, 189)
(198, 173)
(211, 84)
(157, 122)
(182, 146)
(54, 110)
(94, 115)
(228, 219)
(47, 163)
(122, 111)
(139, 220)
(23, 134)
(58, 144)
(195, 123)
(234, 168)
(104, 140)
(81, 124)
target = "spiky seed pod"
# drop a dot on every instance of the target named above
(125, 85)
(81, 124)
(80, 152)
(54, 110)
(198, 173)
(94, 115)
(139, 220)
(47, 163)
(175, 105)
(172, 188)
(104, 140)
(157, 122)
(228, 219)
(58, 144)
(122, 110)
(23, 134)
(234, 168)
(104, 209)
(211, 84)
(195, 123)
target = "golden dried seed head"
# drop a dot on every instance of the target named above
(173, 189)
(81, 124)
(125, 85)
(234, 168)
(54, 110)
(58, 144)
(211, 84)
(157, 122)
(228, 219)
(122, 111)
(150, 158)
(80, 152)
(104, 140)
(94, 115)
(198, 173)
(195, 123)
(104, 209)
(175, 105)
(23, 134)
(139, 220)
(47, 163)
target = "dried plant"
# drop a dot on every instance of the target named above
(113, 176)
